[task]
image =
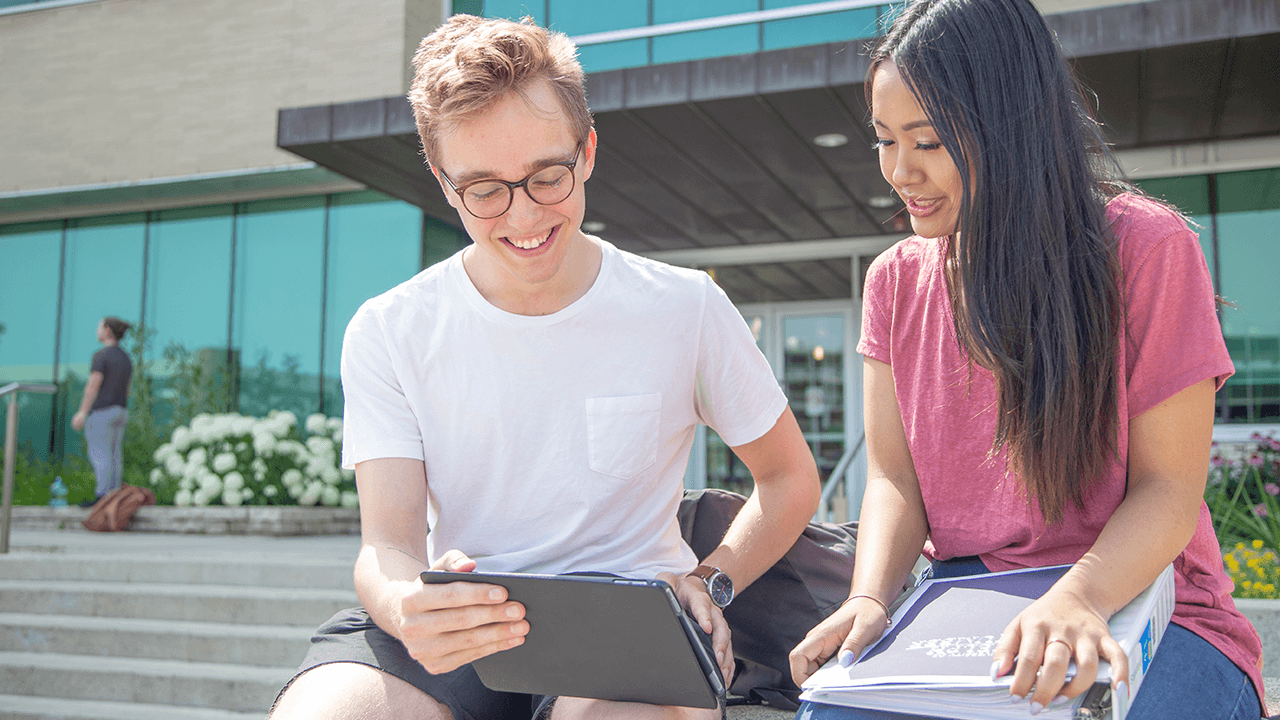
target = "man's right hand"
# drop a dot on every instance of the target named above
(447, 626)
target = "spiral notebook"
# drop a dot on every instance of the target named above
(936, 658)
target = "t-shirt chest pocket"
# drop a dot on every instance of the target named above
(622, 433)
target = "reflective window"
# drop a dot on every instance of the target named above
(28, 312)
(189, 278)
(440, 240)
(1249, 212)
(102, 276)
(277, 302)
(516, 9)
(817, 29)
(374, 244)
(717, 42)
(813, 379)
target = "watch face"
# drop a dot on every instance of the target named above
(721, 589)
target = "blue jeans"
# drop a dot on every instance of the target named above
(1188, 678)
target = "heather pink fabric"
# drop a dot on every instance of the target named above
(973, 507)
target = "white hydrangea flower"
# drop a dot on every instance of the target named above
(181, 439)
(200, 497)
(197, 456)
(182, 498)
(193, 471)
(224, 462)
(350, 499)
(334, 424)
(163, 453)
(233, 481)
(211, 484)
(337, 436)
(246, 493)
(287, 418)
(270, 491)
(331, 476)
(330, 496)
(174, 465)
(241, 447)
(311, 495)
(264, 443)
(242, 425)
(232, 498)
(315, 423)
(320, 445)
(156, 476)
(292, 476)
(294, 490)
(187, 484)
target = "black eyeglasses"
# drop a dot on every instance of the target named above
(488, 199)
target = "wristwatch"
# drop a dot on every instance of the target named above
(719, 585)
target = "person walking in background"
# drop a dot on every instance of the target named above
(1040, 365)
(104, 410)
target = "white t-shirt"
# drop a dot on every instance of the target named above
(554, 443)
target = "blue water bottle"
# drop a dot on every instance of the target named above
(58, 493)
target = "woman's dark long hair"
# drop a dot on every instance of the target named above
(1033, 274)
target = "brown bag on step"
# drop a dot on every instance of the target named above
(114, 511)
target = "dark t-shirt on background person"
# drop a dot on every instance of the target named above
(116, 369)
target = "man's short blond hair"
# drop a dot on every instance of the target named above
(470, 62)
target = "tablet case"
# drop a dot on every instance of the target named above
(599, 637)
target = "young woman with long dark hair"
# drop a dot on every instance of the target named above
(1040, 365)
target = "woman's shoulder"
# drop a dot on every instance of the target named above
(907, 257)
(1144, 225)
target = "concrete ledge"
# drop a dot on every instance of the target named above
(272, 521)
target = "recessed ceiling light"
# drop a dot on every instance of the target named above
(881, 201)
(831, 140)
(593, 226)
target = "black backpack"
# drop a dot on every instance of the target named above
(772, 616)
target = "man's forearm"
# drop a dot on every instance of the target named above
(383, 576)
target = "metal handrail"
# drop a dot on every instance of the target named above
(11, 451)
(836, 478)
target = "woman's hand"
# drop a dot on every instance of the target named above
(855, 625)
(1059, 627)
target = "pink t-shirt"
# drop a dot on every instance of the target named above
(973, 507)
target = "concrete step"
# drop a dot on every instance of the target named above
(330, 574)
(197, 603)
(154, 639)
(16, 707)
(222, 686)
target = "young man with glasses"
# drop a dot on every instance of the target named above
(531, 402)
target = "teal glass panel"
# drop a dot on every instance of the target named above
(1250, 254)
(818, 29)
(103, 276)
(614, 55)
(1190, 193)
(440, 240)
(276, 305)
(516, 9)
(29, 300)
(187, 307)
(1249, 190)
(189, 278)
(737, 40)
(701, 44)
(374, 244)
(579, 17)
(28, 311)
(469, 7)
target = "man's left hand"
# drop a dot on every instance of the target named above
(692, 593)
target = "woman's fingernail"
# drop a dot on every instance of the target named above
(1036, 708)
(1015, 699)
(995, 668)
(1059, 699)
(846, 658)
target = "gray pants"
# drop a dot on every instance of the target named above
(104, 433)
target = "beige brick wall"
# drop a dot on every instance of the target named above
(123, 90)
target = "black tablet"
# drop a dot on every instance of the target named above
(599, 637)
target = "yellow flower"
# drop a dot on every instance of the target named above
(1246, 584)
(1239, 546)
(1257, 544)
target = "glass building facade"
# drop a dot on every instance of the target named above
(257, 294)
(577, 18)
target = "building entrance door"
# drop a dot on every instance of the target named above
(810, 347)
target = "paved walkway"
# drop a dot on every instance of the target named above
(304, 550)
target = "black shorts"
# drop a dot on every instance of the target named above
(352, 636)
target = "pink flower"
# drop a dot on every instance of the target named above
(1272, 489)
(1260, 510)
(1255, 460)
(1217, 461)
